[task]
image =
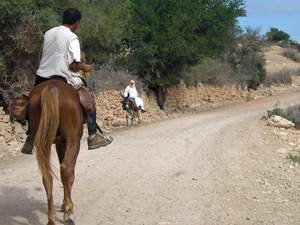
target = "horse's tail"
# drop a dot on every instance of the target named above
(46, 132)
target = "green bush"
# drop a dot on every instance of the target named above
(247, 60)
(291, 54)
(295, 159)
(253, 70)
(22, 24)
(277, 35)
(167, 36)
(277, 111)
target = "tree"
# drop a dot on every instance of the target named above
(165, 36)
(246, 58)
(277, 35)
(22, 24)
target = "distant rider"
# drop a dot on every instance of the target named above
(131, 90)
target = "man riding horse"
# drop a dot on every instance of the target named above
(61, 59)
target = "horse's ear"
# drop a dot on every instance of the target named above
(121, 95)
(128, 95)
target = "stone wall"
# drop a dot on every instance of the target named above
(203, 97)
(11, 133)
(179, 100)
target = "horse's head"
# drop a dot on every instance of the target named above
(126, 102)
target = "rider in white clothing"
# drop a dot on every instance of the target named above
(59, 53)
(131, 90)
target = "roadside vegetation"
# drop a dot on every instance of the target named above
(281, 77)
(291, 54)
(291, 113)
(157, 43)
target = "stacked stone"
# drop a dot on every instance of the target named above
(10, 133)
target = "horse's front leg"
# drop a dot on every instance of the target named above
(132, 117)
(138, 116)
(127, 118)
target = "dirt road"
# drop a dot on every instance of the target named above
(216, 167)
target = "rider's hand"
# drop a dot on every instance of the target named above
(87, 68)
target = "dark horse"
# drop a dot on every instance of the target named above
(129, 106)
(56, 116)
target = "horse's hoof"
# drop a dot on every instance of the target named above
(51, 223)
(69, 219)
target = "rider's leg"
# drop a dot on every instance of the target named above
(139, 102)
(95, 140)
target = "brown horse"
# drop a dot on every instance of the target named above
(56, 116)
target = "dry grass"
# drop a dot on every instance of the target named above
(293, 113)
(280, 77)
(107, 77)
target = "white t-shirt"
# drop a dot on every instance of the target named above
(60, 48)
(132, 92)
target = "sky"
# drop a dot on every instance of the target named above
(281, 14)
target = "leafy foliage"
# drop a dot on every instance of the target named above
(295, 159)
(247, 60)
(277, 35)
(22, 24)
(167, 36)
(277, 111)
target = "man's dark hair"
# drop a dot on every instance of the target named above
(71, 16)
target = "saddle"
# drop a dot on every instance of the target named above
(19, 109)
(87, 101)
(133, 101)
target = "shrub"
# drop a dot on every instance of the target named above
(20, 63)
(22, 24)
(108, 77)
(210, 71)
(293, 114)
(294, 159)
(277, 111)
(280, 77)
(247, 60)
(296, 72)
(253, 69)
(167, 36)
(291, 54)
(277, 35)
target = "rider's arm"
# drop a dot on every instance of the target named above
(126, 92)
(74, 57)
(76, 66)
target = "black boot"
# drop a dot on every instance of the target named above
(28, 145)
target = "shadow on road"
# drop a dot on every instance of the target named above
(18, 208)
